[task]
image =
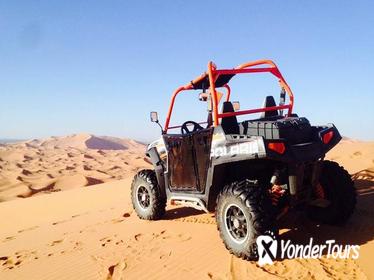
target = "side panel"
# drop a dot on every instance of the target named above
(181, 167)
(188, 160)
(229, 149)
(202, 142)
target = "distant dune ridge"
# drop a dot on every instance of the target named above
(60, 163)
(84, 141)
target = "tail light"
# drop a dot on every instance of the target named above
(278, 147)
(326, 138)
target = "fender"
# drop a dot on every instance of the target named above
(159, 168)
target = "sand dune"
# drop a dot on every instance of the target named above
(355, 155)
(84, 141)
(61, 163)
(93, 233)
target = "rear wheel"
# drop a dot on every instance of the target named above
(147, 199)
(337, 188)
(243, 212)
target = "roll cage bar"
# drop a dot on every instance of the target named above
(215, 78)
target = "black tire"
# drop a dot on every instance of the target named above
(147, 199)
(255, 205)
(339, 190)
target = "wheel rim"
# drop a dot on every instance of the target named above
(143, 197)
(236, 223)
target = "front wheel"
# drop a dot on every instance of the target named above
(337, 188)
(147, 199)
(244, 212)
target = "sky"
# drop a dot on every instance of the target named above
(100, 67)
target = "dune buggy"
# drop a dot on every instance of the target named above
(250, 172)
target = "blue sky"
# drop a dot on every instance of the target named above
(101, 66)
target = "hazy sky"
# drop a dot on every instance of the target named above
(101, 66)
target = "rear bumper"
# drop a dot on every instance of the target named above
(305, 152)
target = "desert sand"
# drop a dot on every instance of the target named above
(60, 163)
(93, 233)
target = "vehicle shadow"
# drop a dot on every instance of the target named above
(358, 230)
(181, 212)
(364, 179)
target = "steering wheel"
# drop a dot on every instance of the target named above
(185, 129)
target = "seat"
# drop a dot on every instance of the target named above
(229, 124)
(269, 102)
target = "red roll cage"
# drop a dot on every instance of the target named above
(215, 78)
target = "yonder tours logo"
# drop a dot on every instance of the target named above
(267, 247)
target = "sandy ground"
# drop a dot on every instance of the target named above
(61, 163)
(92, 233)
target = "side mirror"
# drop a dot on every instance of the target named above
(154, 117)
(236, 105)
